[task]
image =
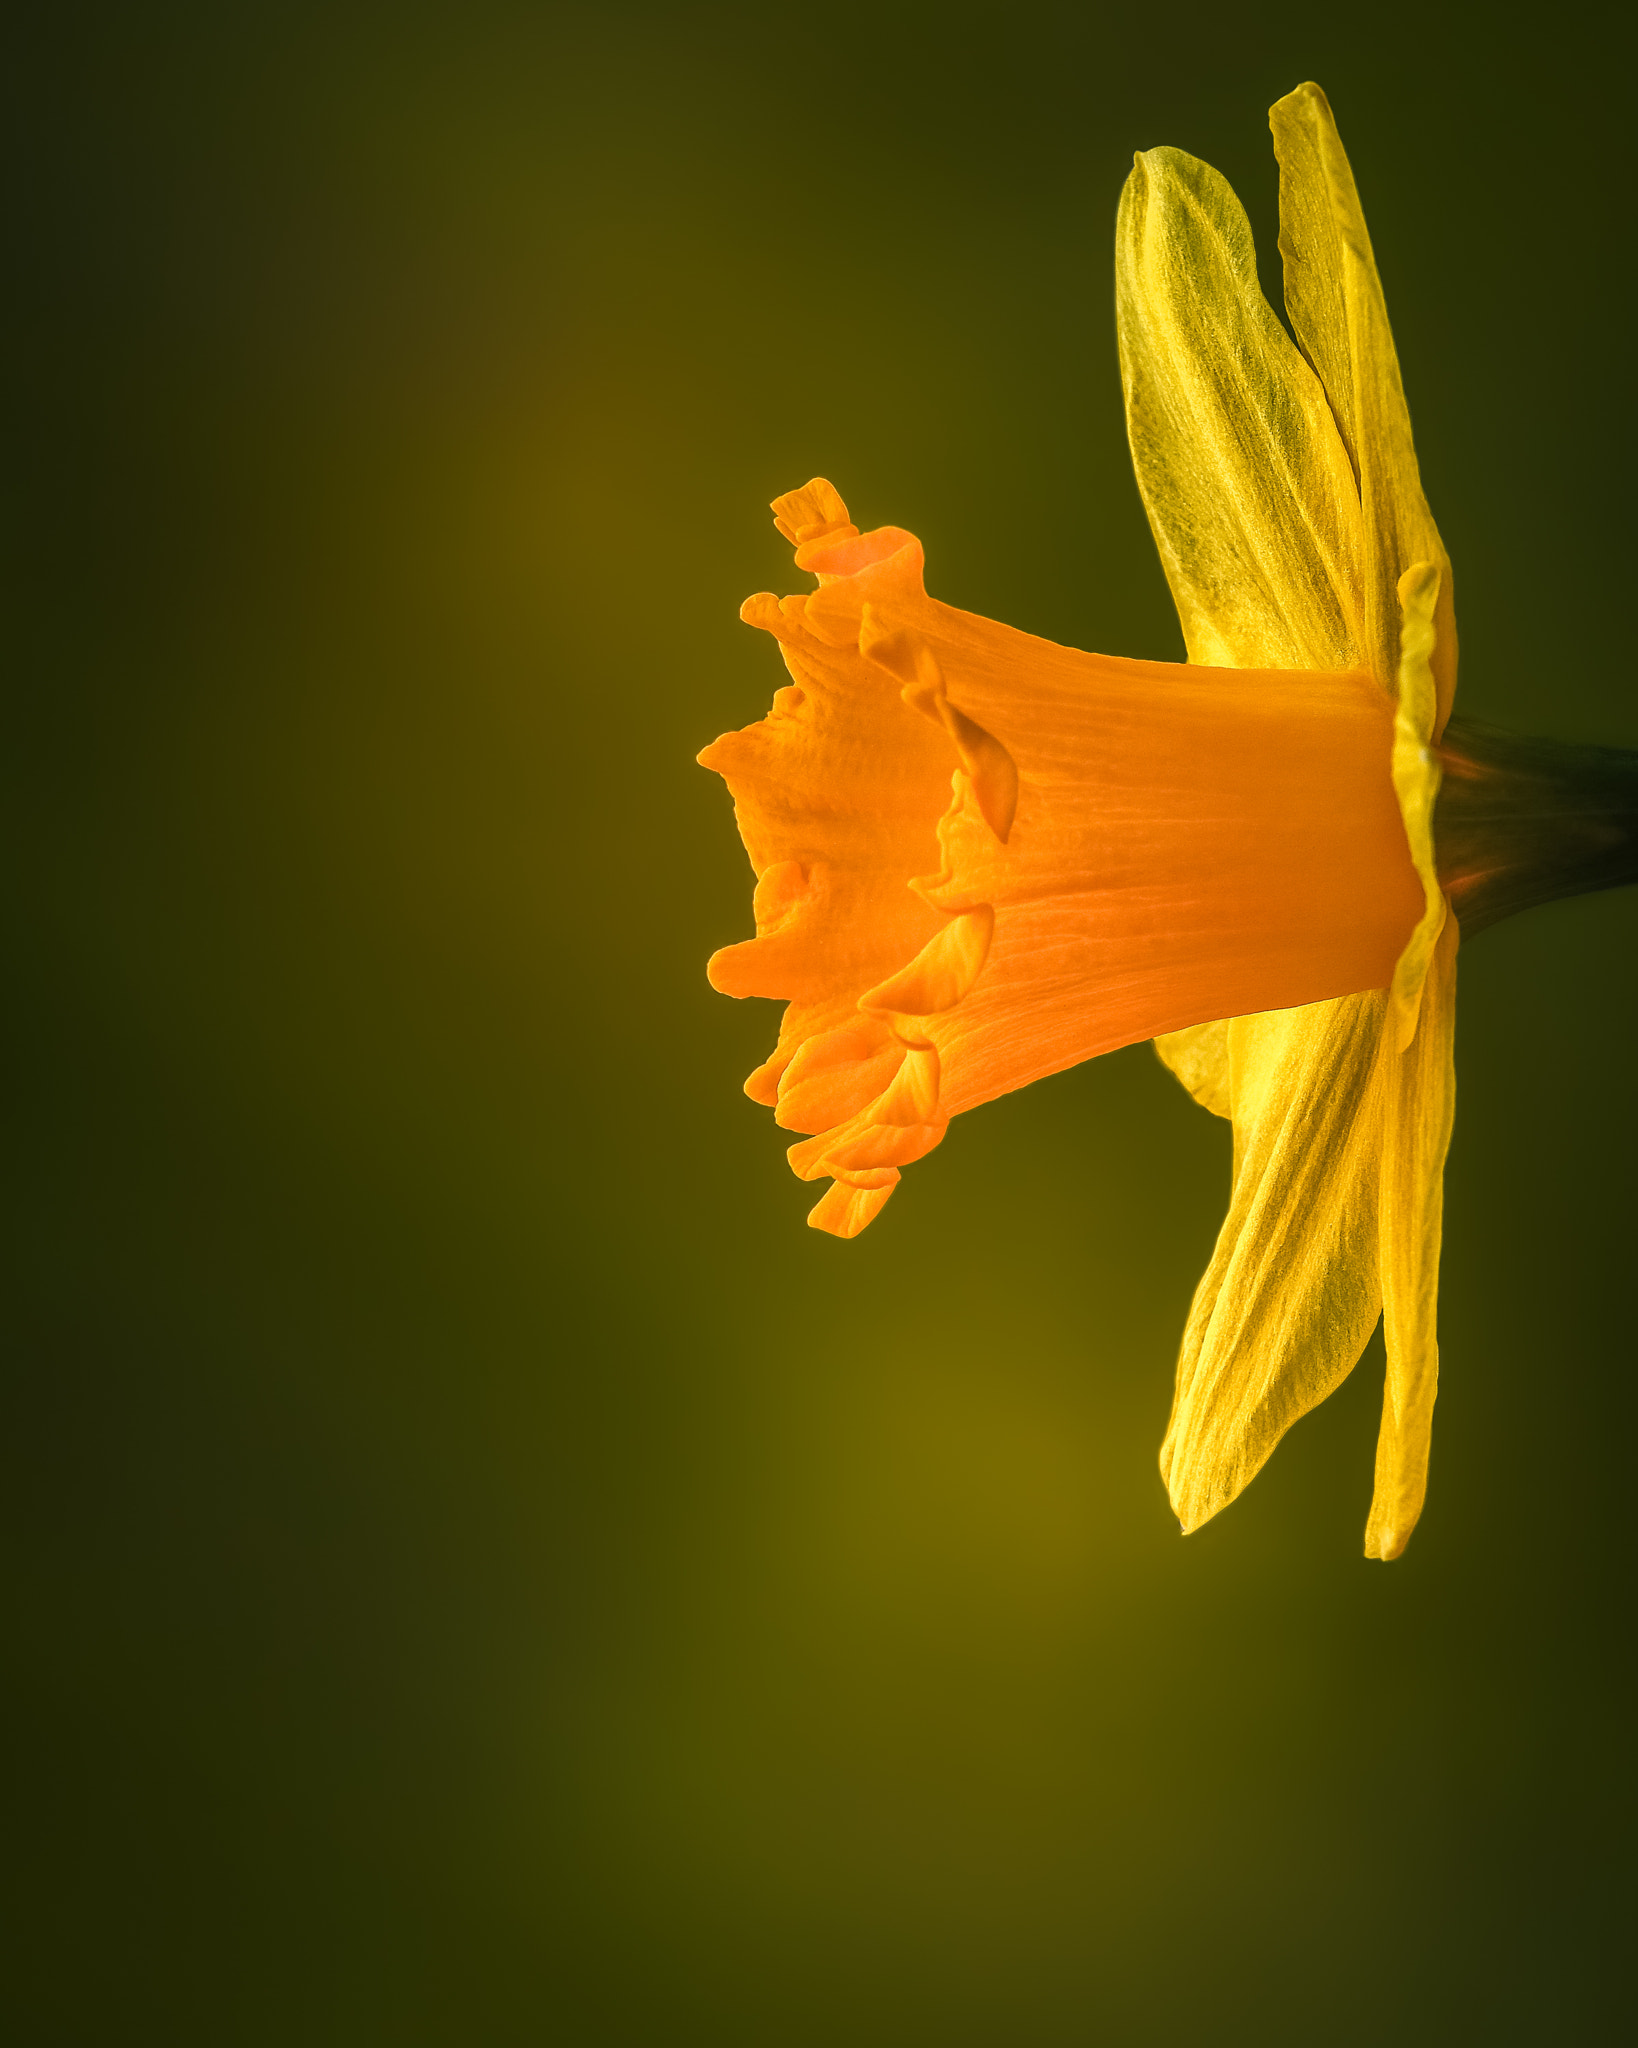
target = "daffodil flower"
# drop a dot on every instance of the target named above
(982, 858)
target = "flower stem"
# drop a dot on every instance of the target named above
(1525, 821)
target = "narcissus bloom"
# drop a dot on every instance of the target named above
(982, 858)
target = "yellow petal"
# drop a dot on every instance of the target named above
(1418, 1109)
(1247, 484)
(1334, 298)
(1291, 1294)
(1199, 1057)
(1416, 776)
(1342, 1110)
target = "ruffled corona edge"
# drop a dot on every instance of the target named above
(838, 795)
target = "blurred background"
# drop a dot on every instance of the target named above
(478, 1570)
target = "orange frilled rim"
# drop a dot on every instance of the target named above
(982, 857)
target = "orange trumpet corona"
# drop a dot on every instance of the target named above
(982, 857)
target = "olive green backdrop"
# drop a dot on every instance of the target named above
(479, 1571)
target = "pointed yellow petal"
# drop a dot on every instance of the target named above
(1291, 1294)
(1340, 1130)
(1248, 486)
(1418, 1110)
(1334, 298)
(1199, 1057)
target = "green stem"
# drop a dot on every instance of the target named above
(1525, 821)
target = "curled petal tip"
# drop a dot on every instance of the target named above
(719, 755)
(782, 889)
(719, 969)
(833, 1077)
(941, 973)
(1308, 90)
(812, 512)
(887, 561)
(752, 968)
(762, 1084)
(904, 654)
(844, 1210)
(1419, 586)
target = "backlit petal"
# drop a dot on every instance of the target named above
(1416, 776)
(1418, 1113)
(1334, 298)
(1247, 484)
(1199, 1057)
(1286, 1305)
(1292, 1291)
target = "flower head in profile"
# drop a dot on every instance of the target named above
(982, 858)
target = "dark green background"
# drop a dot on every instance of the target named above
(477, 1570)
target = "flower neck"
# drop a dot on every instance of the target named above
(1525, 821)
